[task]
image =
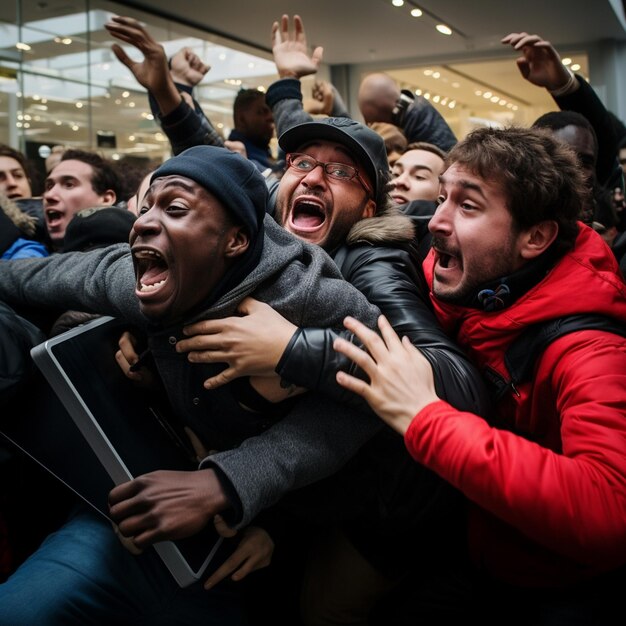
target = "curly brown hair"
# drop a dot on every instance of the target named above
(540, 176)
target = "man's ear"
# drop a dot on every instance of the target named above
(538, 238)
(369, 210)
(109, 197)
(237, 243)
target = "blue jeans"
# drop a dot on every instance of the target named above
(82, 574)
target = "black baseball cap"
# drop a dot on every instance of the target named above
(366, 145)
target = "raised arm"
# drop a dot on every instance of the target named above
(541, 65)
(180, 117)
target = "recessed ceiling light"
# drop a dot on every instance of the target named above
(566, 61)
(443, 29)
(416, 13)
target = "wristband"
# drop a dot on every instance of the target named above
(566, 88)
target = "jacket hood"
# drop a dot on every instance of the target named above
(26, 223)
(389, 226)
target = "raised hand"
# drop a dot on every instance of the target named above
(152, 72)
(321, 102)
(401, 380)
(290, 49)
(187, 67)
(540, 63)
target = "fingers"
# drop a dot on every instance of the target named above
(220, 379)
(222, 528)
(372, 342)
(234, 561)
(276, 36)
(356, 385)
(197, 445)
(317, 55)
(205, 327)
(254, 552)
(122, 57)
(389, 335)
(250, 305)
(299, 29)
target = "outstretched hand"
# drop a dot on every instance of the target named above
(253, 552)
(540, 63)
(401, 380)
(152, 72)
(251, 345)
(166, 505)
(291, 51)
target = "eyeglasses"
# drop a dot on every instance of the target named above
(303, 163)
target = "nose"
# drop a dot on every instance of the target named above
(50, 194)
(10, 181)
(315, 177)
(147, 224)
(440, 223)
(402, 180)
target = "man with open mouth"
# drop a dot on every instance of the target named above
(79, 181)
(202, 242)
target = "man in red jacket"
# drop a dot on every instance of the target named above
(547, 475)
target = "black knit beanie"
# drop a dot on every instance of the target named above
(239, 186)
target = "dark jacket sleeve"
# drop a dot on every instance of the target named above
(586, 102)
(284, 97)
(186, 127)
(391, 279)
(17, 337)
(422, 122)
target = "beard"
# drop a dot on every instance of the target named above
(339, 220)
(477, 271)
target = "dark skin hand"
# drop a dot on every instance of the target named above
(166, 505)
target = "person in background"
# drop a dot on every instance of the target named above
(597, 137)
(18, 229)
(381, 100)
(546, 475)
(415, 174)
(254, 128)
(14, 174)
(395, 141)
(80, 180)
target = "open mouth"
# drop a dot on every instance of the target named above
(446, 261)
(53, 217)
(307, 216)
(152, 270)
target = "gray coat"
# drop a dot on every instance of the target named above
(297, 279)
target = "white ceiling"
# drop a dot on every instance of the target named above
(372, 31)
(374, 35)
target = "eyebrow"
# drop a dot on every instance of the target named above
(177, 183)
(465, 184)
(353, 162)
(61, 179)
(412, 168)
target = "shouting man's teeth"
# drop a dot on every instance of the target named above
(145, 287)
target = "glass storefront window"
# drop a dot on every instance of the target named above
(60, 83)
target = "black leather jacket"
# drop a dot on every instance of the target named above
(390, 277)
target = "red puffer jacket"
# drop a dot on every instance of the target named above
(549, 474)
